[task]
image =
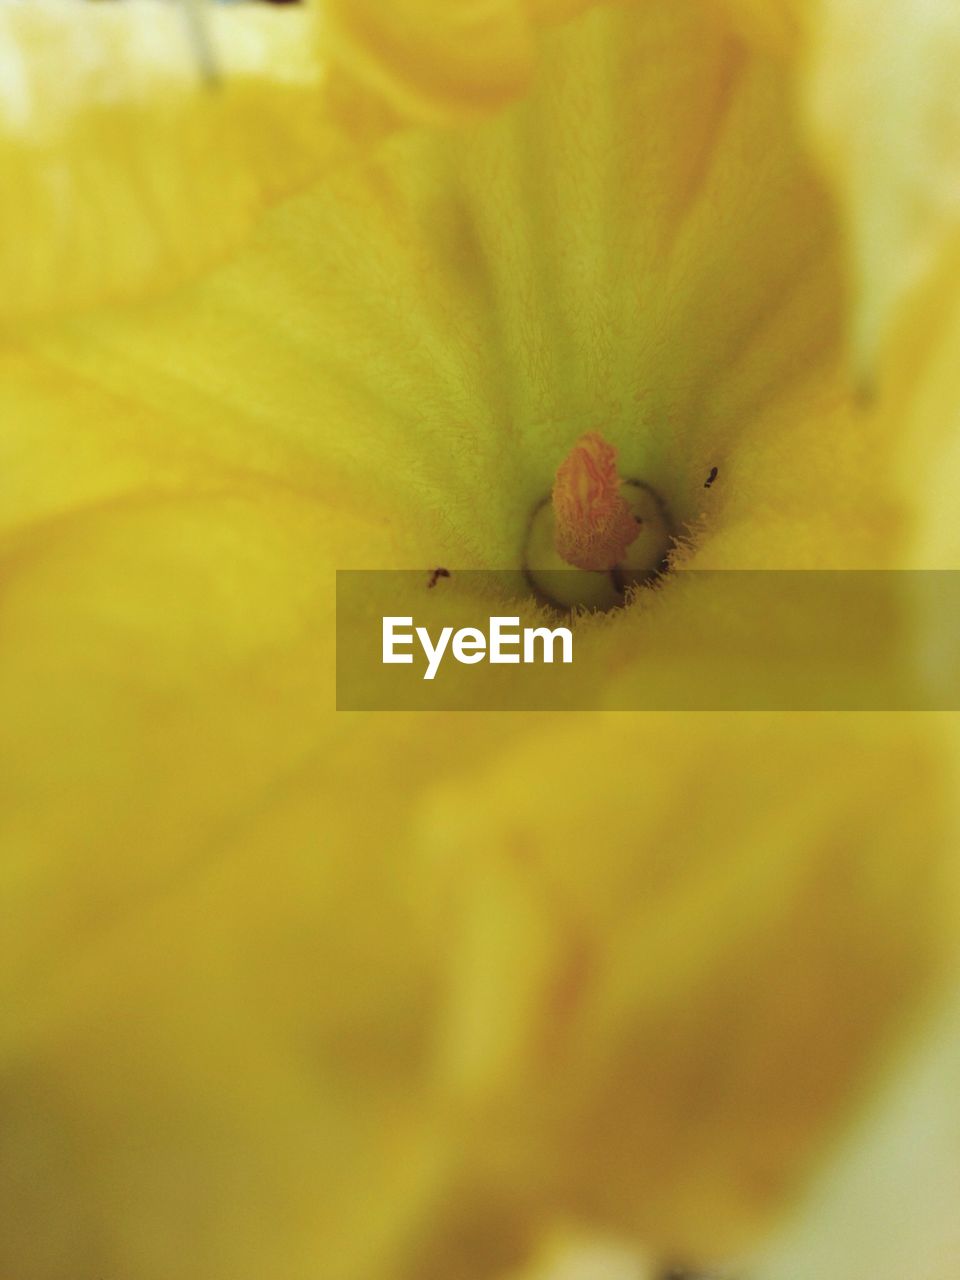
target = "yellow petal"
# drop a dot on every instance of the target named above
(214, 1054)
(442, 59)
(774, 24)
(883, 101)
(170, 833)
(674, 947)
(422, 53)
(143, 149)
(903, 1151)
(130, 170)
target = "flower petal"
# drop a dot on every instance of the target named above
(677, 948)
(887, 1206)
(774, 24)
(436, 53)
(126, 171)
(442, 59)
(467, 304)
(174, 1066)
(882, 96)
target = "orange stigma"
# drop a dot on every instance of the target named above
(593, 523)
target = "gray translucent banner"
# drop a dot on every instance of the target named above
(697, 640)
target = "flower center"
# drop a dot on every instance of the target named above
(597, 534)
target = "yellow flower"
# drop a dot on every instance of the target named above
(397, 997)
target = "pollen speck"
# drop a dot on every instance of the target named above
(594, 523)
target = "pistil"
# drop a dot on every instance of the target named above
(597, 534)
(593, 521)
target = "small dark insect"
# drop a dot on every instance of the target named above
(436, 575)
(711, 477)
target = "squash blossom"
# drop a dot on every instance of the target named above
(295, 993)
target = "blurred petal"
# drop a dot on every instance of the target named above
(439, 53)
(201, 1046)
(888, 1208)
(224, 1062)
(564, 1257)
(442, 59)
(142, 149)
(124, 169)
(670, 976)
(774, 24)
(883, 100)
